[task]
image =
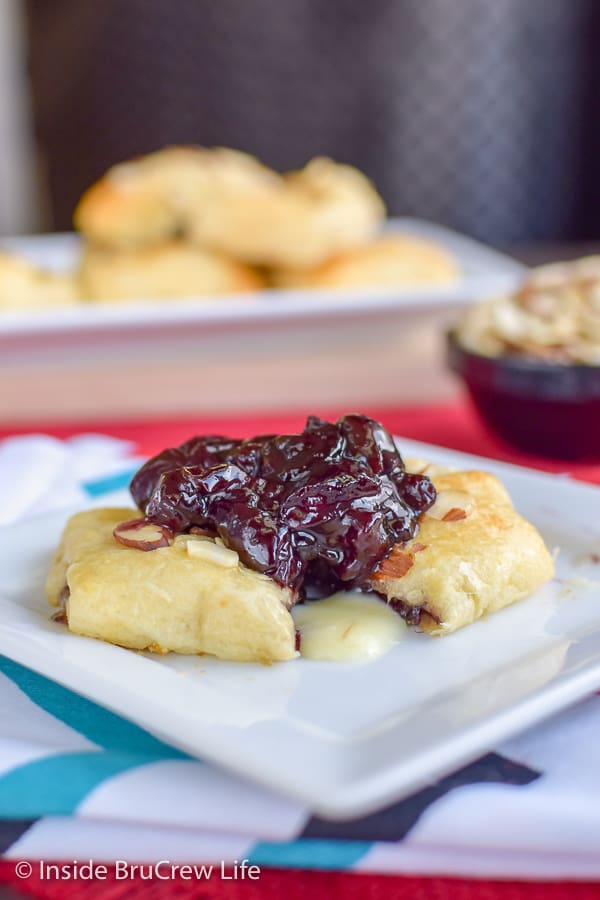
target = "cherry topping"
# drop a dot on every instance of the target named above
(321, 507)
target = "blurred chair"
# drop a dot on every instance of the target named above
(481, 115)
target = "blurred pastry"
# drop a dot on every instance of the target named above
(194, 221)
(298, 219)
(143, 201)
(23, 286)
(392, 260)
(170, 269)
(228, 201)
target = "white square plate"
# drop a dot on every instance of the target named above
(345, 738)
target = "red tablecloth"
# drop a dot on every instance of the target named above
(282, 884)
(450, 425)
(453, 426)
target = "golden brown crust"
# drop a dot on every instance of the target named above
(466, 567)
(298, 219)
(166, 599)
(227, 201)
(392, 260)
(168, 270)
(143, 201)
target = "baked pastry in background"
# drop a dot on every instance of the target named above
(297, 219)
(228, 201)
(24, 287)
(473, 555)
(169, 599)
(392, 260)
(195, 221)
(167, 270)
(143, 201)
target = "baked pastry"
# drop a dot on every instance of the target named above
(392, 260)
(143, 201)
(24, 287)
(270, 515)
(227, 201)
(170, 269)
(297, 219)
(229, 535)
(473, 555)
(172, 598)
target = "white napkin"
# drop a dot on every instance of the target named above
(39, 473)
(77, 782)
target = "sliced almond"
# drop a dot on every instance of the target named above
(415, 466)
(196, 538)
(454, 515)
(143, 535)
(202, 532)
(396, 565)
(213, 553)
(434, 470)
(451, 505)
(423, 467)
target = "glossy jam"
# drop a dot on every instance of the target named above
(320, 508)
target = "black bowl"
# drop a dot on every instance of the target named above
(545, 408)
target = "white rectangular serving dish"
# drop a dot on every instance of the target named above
(345, 738)
(271, 350)
(484, 271)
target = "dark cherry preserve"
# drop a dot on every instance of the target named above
(320, 508)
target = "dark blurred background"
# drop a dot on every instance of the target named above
(480, 114)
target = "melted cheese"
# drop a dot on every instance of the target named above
(347, 626)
